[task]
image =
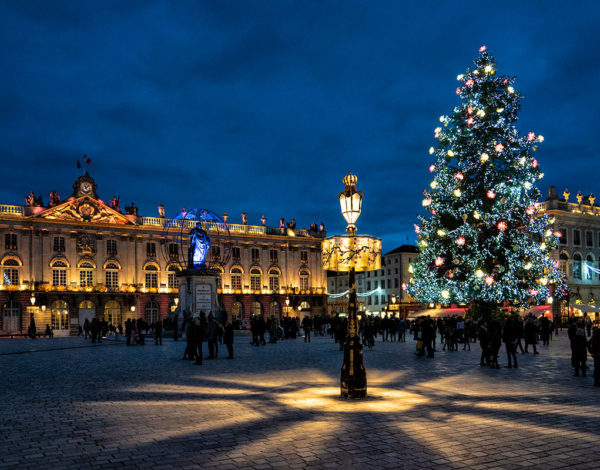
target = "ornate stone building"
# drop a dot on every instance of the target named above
(578, 251)
(80, 258)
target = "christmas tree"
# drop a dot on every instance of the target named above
(484, 241)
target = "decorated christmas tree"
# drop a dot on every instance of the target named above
(484, 241)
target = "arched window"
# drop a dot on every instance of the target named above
(86, 274)
(275, 309)
(86, 304)
(589, 264)
(151, 276)
(59, 274)
(577, 266)
(112, 276)
(10, 274)
(563, 259)
(172, 271)
(274, 279)
(304, 278)
(112, 312)
(255, 276)
(11, 316)
(151, 312)
(256, 308)
(236, 278)
(237, 311)
(59, 315)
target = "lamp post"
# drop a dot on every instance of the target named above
(287, 306)
(394, 302)
(351, 253)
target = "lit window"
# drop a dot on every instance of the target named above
(255, 279)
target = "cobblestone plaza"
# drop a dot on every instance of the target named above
(70, 404)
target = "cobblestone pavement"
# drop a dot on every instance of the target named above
(76, 405)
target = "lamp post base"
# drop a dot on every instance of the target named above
(353, 383)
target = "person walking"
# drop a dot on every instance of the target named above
(307, 326)
(509, 337)
(579, 351)
(483, 342)
(86, 329)
(530, 335)
(228, 338)
(212, 336)
(196, 337)
(594, 348)
(158, 327)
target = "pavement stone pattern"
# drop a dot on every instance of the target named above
(66, 403)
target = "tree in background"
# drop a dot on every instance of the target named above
(484, 241)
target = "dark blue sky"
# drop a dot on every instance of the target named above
(263, 106)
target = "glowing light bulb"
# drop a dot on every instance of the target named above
(522, 161)
(423, 243)
(460, 241)
(527, 185)
(433, 184)
(479, 274)
(450, 153)
(426, 202)
(482, 48)
(491, 194)
(540, 176)
(431, 150)
(543, 246)
(441, 233)
(457, 193)
(460, 77)
(481, 113)
(531, 136)
(470, 121)
(548, 233)
(499, 110)
(484, 157)
(502, 226)
(439, 261)
(540, 138)
(476, 215)
(459, 176)
(511, 90)
(410, 268)
(487, 69)
(549, 300)
(528, 266)
(498, 148)
(445, 294)
(469, 82)
(489, 280)
(431, 168)
(530, 211)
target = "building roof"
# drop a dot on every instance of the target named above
(404, 249)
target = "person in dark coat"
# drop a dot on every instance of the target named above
(579, 351)
(32, 330)
(530, 335)
(128, 331)
(594, 346)
(86, 329)
(228, 339)
(158, 327)
(509, 337)
(212, 336)
(495, 342)
(307, 325)
(196, 337)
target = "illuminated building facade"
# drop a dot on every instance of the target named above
(81, 258)
(382, 284)
(578, 251)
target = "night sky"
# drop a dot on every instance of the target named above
(263, 106)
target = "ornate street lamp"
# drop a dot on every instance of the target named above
(351, 253)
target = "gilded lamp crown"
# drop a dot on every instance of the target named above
(350, 179)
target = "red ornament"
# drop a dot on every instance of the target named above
(505, 81)
(417, 229)
(436, 134)
(460, 241)
(450, 274)
(431, 168)
(491, 194)
(531, 136)
(557, 234)
(439, 261)
(459, 176)
(502, 226)
(533, 292)
(489, 280)
(534, 163)
(482, 48)
(458, 91)
(470, 110)
(404, 286)
(433, 211)
(499, 147)
(557, 264)
(470, 121)
(469, 82)
(530, 211)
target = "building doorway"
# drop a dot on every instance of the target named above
(87, 311)
(112, 313)
(59, 318)
(11, 317)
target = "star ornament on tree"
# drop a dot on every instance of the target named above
(481, 144)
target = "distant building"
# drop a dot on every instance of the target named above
(382, 284)
(578, 251)
(79, 258)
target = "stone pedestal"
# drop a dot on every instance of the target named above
(198, 291)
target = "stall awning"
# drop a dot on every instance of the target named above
(585, 308)
(538, 310)
(437, 312)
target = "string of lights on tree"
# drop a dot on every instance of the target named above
(484, 240)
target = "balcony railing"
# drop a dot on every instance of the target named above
(13, 210)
